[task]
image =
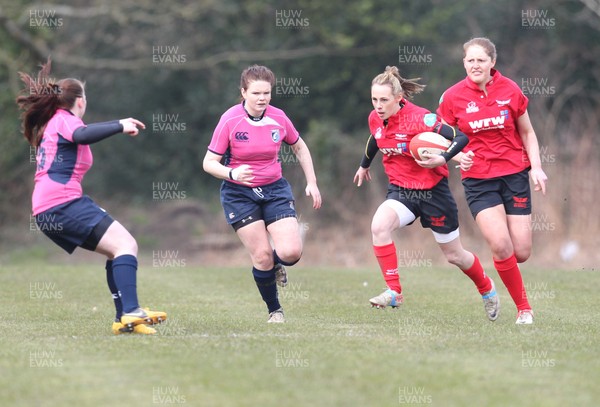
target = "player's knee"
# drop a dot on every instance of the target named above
(263, 259)
(455, 258)
(380, 231)
(522, 254)
(289, 256)
(502, 249)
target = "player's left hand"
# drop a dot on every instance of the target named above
(539, 178)
(313, 190)
(130, 126)
(432, 161)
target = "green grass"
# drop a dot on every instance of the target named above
(217, 350)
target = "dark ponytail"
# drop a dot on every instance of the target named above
(41, 98)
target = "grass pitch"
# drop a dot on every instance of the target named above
(334, 350)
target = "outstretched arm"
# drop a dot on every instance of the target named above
(96, 132)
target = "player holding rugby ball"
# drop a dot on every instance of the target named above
(416, 188)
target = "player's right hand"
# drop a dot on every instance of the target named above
(130, 126)
(361, 174)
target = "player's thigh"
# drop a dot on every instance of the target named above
(493, 224)
(255, 239)
(117, 241)
(519, 227)
(286, 238)
(390, 215)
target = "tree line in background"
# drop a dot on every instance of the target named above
(176, 66)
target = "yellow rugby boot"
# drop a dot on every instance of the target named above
(118, 328)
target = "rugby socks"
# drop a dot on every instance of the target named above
(113, 290)
(509, 272)
(265, 281)
(124, 273)
(478, 276)
(388, 263)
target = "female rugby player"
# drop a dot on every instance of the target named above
(492, 110)
(257, 200)
(51, 116)
(416, 188)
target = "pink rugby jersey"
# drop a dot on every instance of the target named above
(61, 163)
(256, 143)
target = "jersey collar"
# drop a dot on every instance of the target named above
(254, 118)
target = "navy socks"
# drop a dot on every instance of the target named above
(124, 273)
(113, 290)
(265, 281)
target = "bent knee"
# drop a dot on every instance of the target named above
(522, 255)
(290, 255)
(456, 259)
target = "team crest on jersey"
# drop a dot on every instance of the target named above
(275, 135)
(472, 107)
(378, 133)
(429, 119)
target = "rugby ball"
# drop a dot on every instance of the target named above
(429, 143)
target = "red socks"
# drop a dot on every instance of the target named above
(477, 274)
(388, 263)
(509, 272)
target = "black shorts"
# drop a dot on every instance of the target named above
(512, 191)
(436, 206)
(77, 223)
(244, 205)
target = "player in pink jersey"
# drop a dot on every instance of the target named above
(416, 189)
(492, 111)
(257, 201)
(52, 123)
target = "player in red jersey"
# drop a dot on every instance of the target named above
(52, 123)
(492, 111)
(416, 189)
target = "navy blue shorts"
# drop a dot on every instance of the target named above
(512, 191)
(436, 206)
(77, 223)
(243, 205)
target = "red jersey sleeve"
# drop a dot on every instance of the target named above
(445, 111)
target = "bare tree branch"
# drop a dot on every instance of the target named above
(36, 46)
(593, 5)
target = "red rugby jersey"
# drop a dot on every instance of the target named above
(401, 167)
(490, 122)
